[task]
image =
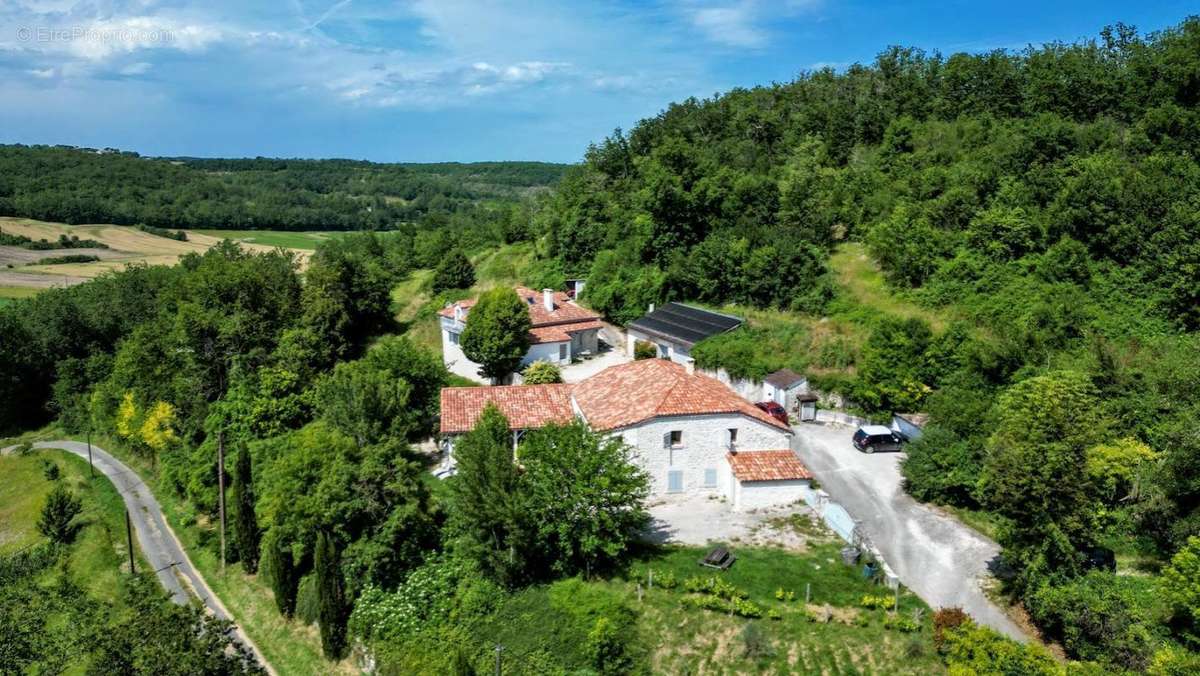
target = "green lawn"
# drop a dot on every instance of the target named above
(284, 238)
(10, 293)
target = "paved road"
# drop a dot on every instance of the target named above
(158, 542)
(934, 555)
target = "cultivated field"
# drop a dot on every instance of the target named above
(19, 268)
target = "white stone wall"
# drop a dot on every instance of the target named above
(679, 354)
(546, 352)
(761, 494)
(703, 447)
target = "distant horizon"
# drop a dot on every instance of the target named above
(435, 81)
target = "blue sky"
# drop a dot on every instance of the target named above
(431, 80)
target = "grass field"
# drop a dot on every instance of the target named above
(672, 638)
(858, 274)
(127, 245)
(416, 309)
(305, 241)
(99, 555)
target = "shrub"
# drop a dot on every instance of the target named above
(755, 645)
(1097, 617)
(944, 620)
(665, 579)
(50, 470)
(900, 623)
(972, 649)
(58, 515)
(773, 614)
(878, 602)
(606, 648)
(644, 349)
(24, 449)
(541, 373)
(69, 258)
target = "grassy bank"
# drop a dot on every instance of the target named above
(307, 241)
(290, 646)
(99, 555)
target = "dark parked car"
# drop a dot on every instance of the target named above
(774, 410)
(871, 438)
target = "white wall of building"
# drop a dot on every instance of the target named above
(749, 495)
(457, 362)
(703, 448)
(678, 353)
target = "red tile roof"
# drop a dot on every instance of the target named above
(560, 333)
(565, 310)
(526, 406)
(630, 393)
(767, 466)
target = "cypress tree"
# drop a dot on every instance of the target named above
(331, 597)
(245, 523)
(282, 571)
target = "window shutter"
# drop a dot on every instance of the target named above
(667, 440)
(726, 438)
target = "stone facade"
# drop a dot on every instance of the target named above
(700, 454)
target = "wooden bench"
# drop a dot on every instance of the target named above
(719, 558)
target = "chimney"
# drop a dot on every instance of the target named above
(548, 299)
(690, 365)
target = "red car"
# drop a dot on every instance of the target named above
(774, 410)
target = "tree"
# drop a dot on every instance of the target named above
(584, 494)
(1181, 584)
(331, 597)
(281, 569)
(486, 515)
(541, 373)
(453, 272)
(245, 521)
(497, 333)
(156, 636)
(364, 402)
(58, 515)
(1034, 475)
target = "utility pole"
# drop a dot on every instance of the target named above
(129, 539)
(499, 648)
(91, 470)
(221, 489)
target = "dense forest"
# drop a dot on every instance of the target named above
(77, 185)
(1045, 202)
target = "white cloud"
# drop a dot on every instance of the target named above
(733, 26)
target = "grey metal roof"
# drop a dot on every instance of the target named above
(785, 378)
(685, 324)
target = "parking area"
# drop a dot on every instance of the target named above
(943, 561)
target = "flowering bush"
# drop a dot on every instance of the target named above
(426, 594)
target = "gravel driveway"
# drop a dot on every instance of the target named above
(936, 556)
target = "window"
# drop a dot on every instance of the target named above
(675, 481)
(710, 477)
(664, 351)
(562, 352)
(675, 438)
(453, 338)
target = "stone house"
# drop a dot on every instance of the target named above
(690, 433)
(561, 330)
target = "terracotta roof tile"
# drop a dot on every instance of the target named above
(630, 393)
(565, 310)
(526, 406)
(767, 466)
